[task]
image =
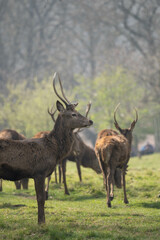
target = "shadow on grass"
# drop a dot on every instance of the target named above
(155, 205)
(10, 206)
(25, 195)
(20, 194)
(75, 198)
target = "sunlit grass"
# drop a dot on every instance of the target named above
(84, 213)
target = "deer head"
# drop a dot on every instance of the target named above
(71, 117)
(127, 132)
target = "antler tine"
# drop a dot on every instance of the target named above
(60, 83)
(52, 114)
(54, 79)
(87, 111)
(136, 115)
(88, 108)
(115, 113)
(134, 121)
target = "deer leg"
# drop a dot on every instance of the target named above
(79, 169)
(106, 178)
(64, 177)
(18, 184)
(40, 193)
(0, 185)
(24, 183)
(108, 186)
(47, 187)
(124, 187)
(102, 167)
(59, 169)
(112, 184)
(55, 172)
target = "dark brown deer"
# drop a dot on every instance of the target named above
(14, 135)
(37, 158)
(41, 135)
(80, 153)
(113, 152)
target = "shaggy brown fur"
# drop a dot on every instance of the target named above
(113, 152)
(106, 132)
(14, 135)
(117, 175)
(37, 158)
(81, 154)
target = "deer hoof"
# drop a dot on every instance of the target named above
(109, 205)
(111, 198)
(67, 193)
(126, 202)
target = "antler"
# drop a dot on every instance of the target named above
(52, 114)
(88, 108)
(67, 102)
(60, 83)
(136, 115)
(87, 111)
(134, 122)
(54, 78)
(115, 121)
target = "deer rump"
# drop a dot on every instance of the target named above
(26, 166)
(112, 146)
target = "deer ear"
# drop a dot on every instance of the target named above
(60, 107)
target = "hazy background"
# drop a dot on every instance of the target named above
(105, 51)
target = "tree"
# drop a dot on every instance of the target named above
(108, 89)
(26, 109)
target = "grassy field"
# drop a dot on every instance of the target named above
(84, 214)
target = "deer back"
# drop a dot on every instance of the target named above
(11, 134)
(41, 134)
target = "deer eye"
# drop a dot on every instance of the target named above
(74, 114)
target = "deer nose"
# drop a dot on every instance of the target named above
(91, 122)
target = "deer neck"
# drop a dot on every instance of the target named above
(129, 142)
(63, 136)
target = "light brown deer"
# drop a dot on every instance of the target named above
(37, 158)
(113, 152)
(14, 135)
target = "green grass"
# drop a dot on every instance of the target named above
(84, 214)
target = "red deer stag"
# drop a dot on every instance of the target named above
(37, 158)
(80, 153)
(113, 152)
(43, 134)
(14, 135)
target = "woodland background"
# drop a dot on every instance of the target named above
(106, 51)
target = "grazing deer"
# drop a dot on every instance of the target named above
(82, 155)
(14, 135)
(113, 152)
(37, 158)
